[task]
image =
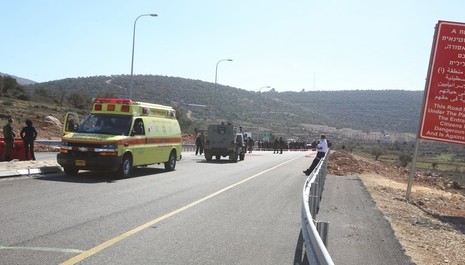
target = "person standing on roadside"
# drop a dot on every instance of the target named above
(9, 138)
(29, 135)
(275, 146)
(321, 148)
(250, 144)
(199, 145)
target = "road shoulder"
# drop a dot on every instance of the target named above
(358, 231)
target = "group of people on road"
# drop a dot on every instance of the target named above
(28, 134)
(278, 146)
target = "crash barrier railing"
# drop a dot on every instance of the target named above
(315, 233)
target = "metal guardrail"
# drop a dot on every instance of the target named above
(315, 233)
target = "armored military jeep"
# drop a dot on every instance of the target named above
(224, 141)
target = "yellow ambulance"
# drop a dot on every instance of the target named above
(118, 135)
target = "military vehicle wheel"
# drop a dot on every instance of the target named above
(218, 157)
(233, 157)
(208, 157)
(125, 169)
(171, 163)
(71, 171)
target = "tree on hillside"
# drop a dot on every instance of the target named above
(43, 94)
(11, 88)
(79, 100)
(376, 152)
(62, 95)
(405, 159)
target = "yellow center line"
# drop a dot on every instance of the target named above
(125, 235)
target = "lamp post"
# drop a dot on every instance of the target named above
(262, 88)
(216, 75)
(131, 85)
(260, 97)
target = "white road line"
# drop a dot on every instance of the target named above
(65, 250)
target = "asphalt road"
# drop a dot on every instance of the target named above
(215, 212)
(202, 213)
(45, 155)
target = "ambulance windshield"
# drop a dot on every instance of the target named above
(106, 124)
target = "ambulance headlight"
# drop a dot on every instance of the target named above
(109, 146)
(65, 147)
(107, 150)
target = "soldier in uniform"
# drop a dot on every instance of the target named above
(29, 135)
(281, 145)
(9, 137)
(250, 144)
(275, 146)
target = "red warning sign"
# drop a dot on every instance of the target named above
(443, 117)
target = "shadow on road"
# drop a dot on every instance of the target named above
(218, 161)
(300, 257)
(90, 177)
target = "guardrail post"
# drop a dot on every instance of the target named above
(314, 205)
(321, 184)
(314, 198)
(322, 228)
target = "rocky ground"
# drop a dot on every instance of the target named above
(431, 224)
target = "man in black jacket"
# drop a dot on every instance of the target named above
(29, 135)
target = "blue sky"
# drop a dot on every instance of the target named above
(288, 45)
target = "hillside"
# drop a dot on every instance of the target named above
(39, 113)
(292, 114)
(20, 80)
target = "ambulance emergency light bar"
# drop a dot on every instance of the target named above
(126, 104)
(111, 104)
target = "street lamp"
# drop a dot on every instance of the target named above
(132, 60)
(260, 97)
(262, 88)
(216, 75)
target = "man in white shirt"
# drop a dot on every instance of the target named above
(322, 149)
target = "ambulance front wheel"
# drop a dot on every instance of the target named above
(125, 169)
(171, 163)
